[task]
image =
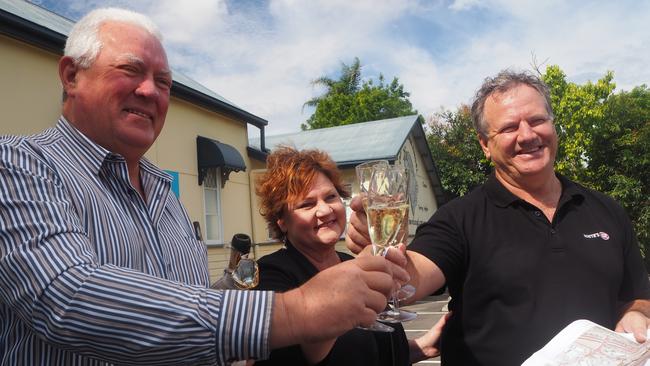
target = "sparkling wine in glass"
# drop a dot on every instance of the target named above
(364, 173)
(388, 208)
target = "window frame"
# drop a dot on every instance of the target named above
(216, 173)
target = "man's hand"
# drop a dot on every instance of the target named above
(635, 319)
(335, 301)
(357, 236)
(635, 322)
(397, 255)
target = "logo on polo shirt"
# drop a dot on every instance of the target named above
(603, 235)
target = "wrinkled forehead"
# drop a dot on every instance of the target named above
(125, 34)
(516, 96)
(133, 44)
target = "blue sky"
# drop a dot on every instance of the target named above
(262, 55)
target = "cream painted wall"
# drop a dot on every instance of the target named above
(423, 200)
(30, 91)
(260, 231)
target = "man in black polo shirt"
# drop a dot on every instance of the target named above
(529, 251)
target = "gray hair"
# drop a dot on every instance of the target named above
(83, 44)
(501, 83)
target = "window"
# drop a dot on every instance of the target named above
(212, 206)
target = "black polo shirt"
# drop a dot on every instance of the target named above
(516, 279)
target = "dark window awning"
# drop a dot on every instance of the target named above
(214, 154)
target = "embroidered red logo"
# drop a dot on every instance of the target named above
(603, 235)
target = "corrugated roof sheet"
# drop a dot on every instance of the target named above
(350, 143)
(38, 15)
(189, 82)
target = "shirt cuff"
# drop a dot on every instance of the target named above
(243, 329)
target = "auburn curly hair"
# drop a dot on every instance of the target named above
(288, 178)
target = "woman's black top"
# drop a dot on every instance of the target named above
(287, 269)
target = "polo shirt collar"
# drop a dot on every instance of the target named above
(570, 190)
(502, 197)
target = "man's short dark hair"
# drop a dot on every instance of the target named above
(501, 83)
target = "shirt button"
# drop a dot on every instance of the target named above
(538, 214)
(553, 231)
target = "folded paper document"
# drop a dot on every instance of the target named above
(586, 343)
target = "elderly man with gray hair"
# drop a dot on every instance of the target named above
(529, 251)
(99, 263)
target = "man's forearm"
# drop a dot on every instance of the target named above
(426, 276)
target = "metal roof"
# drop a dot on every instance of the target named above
(38, 26)
(353, 144)
(350, 144)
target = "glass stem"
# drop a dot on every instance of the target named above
(395, 303)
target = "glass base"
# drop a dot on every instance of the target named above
(378, 327)
(392, 316)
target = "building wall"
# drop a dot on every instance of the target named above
(423, 200)
(30, 92)
(30, 100)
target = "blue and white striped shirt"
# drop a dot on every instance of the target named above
(91, 274)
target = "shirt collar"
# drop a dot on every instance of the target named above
(93, 153)
(96, 154)
(502, 197)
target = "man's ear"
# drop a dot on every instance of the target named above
(68, 74)
(483, 140)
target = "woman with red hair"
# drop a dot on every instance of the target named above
(301, 201)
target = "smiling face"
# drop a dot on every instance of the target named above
(315, 222)
(121, 100)
(521, 139)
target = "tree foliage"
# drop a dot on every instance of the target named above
(348, 99)
(578, 110)
(604, 144)
(620, 158)
(456, 151)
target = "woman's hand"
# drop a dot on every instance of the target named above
(427, 345)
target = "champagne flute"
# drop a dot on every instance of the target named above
(247, 274)
(388, 208)
(364, 173)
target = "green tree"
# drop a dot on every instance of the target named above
(348, 100)
(347, 84)
(604, 142)
(578, 110)
(456, 151)
(620, 158)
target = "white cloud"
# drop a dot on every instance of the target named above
(459, 5)
(263, 58)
